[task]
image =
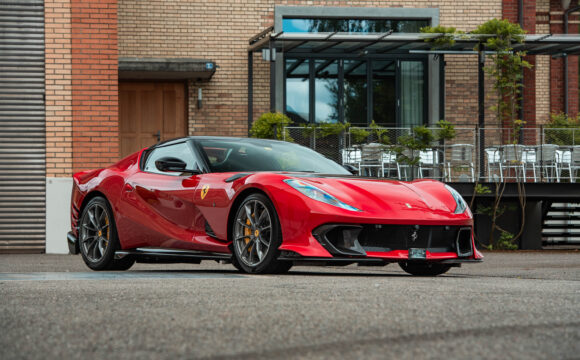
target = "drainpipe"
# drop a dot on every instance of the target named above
(522, 90)
(566, 14)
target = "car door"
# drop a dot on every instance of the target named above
(157, 207)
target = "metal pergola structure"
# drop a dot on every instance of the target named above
(380, 44)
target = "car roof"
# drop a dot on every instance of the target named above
(181, 139)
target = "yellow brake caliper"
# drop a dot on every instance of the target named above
(107, 231)
(248, 233)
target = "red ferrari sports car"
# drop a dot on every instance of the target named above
(264, 206)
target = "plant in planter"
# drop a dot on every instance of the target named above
(409, 146)
(380, 133)
(357, 135)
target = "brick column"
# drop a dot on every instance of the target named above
(557, 65)
(510, 12)
(57, 17)
(95, 127)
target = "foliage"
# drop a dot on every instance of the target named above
(329, 129)
(502, 34)
(481, 189)
(506, 68)
(447, 38)
(357, 134)
(505, 242)
(446, 130)
(381, 133)
(271, 126)
(409, 146)
(567, 130)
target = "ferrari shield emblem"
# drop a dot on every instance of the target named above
(204, 191)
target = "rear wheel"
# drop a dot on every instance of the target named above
(257, 236)
(98, 239)
(424, 268)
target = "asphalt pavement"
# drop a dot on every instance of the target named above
(523, 305)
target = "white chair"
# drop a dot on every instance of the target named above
(493, 155)
(351, 156)
(564, 160)
(372, 158)
(546, 156)
(512, 158)
(461, 157)
(529, 158)
(574, 163)
(390, 163)
(429, 161)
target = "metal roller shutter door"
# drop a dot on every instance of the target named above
(22, 126)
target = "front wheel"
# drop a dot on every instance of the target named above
(98, 239)
(257, 236)
(424, 268)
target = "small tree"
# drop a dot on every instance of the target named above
(409, 146)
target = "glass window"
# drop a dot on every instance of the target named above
(326, 91)
(181, 151)
(297, 90)
(384, 93)
(412, 86)
(352, 25)
(262, 155)
(355, 92)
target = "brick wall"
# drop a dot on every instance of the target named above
(557, 65)
(94, 83)
(542, 67)
(511, 11)
(220, 31)
(58, 88)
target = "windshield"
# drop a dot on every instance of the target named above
(225, 155)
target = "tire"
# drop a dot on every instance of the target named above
(255, 227)
(98, 238)
(424, 268)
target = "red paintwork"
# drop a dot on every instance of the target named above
(153, 210)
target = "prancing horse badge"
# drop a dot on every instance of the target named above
(204, 191)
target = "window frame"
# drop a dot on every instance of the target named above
(369, 59)
(192, 150)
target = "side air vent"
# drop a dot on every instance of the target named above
(209, 231)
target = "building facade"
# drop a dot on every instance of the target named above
(85, 82)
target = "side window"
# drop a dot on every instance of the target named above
(180, 151)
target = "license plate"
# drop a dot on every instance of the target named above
(415, 253)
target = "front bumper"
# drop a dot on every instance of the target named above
(73, 244)
(389, 243)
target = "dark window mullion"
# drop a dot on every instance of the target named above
(369, 92)
(398, 92)
(341, 90)
(425, 92)
(312, 97)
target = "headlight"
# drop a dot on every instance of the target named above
(459, 201)
(318, 194)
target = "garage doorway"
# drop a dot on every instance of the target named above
(150, 112)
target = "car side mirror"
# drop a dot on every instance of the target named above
(170, 164)
(351, 169)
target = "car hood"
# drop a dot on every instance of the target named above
(380, 196)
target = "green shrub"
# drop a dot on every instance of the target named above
(566, 130)
(271, 126)
(446, 130)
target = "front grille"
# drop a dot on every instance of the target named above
(359, 239)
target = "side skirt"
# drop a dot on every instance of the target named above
(159, 255)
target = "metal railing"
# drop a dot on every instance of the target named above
(485, 154)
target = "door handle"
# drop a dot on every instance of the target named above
(158, 135)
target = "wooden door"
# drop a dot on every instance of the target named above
(150, 112)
